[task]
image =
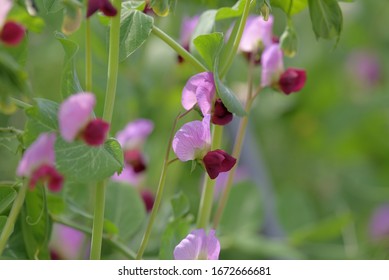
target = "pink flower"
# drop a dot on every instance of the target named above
(128, 176)
(38, 163)
(379, 223)
(257, 34)
(11, 32)
(187, 28)
(198, 246)
(104, 6)
(66, 243)
(75, 120)
(274, 75)
(5, 7)
(193, 142)
(199, 89)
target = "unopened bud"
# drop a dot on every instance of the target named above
(288, 42)
(72, 20)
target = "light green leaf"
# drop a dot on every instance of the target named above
(297, 5)
(69, 81)
(205, 25)
(135, 28)
(36, 225)
(180, 205)
(228, 97)
(326, 17)
(82, 163)
(55, 204)
(7, 196)
(174, 233)
(125, 209)
(134, 4)
(32, 23)
(231, 12)
(209, 46)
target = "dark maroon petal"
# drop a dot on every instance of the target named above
(218, 161)
(135, 159)
(292, 80)
(220, 114)
(108, 9)
(95, 132)
(148, 199)
(93, 7)
(12, 33)
(47, 173)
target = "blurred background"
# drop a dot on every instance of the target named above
(314, 179)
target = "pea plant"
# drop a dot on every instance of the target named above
(79, 187)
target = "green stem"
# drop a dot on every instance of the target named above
(113, 69)
(206, 201)
(13, 215)
(158, 198)
(116, 244)
(88, 56)
(20, 104)
(179, 49)
(11, 130)
(230, 57)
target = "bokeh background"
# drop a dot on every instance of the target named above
(315, 168)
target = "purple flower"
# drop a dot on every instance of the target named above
(193, 142)
(66, 243)
(38, 163)
(274, 75)
(257, 34)
(187, 28)
(364, 67)
(199, 89)
(75, 120)
(103, 5)
(135, 134)
(128, 176)
(198, 246)
(379, 224)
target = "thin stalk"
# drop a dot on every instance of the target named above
(13, 215)
(206, 201)
(11, 130)
(113, 69)
(158, 198)
(179, 49)
(122, 248)
(20, 104)
(88, 56)
(226, 66)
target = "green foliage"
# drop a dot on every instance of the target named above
(326, 17)
(294, 6)
(180, 205)
(162, 7)
(7, 196)
(70, 83)
(36, 225)
(209, 46)
(175, 231)
(135, 28)
(52, 6)
(20, 15)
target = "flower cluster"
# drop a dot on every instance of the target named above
(11, 32)
(75, 122)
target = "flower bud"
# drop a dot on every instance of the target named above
(288, 42)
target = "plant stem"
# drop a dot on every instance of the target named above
(159, 194)
(206, 201)
(20, 104)
(116, 244)
(179, 49)
(113, 69)
(11, 130)
(226, 66)
(13, 215)
(88, 56)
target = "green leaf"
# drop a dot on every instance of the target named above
(297, 5)
(205, 25)
(125, 209)
(173, 234)
(69, 81)
(36, 225)
(82, 163)
(180, 205)
(246, 218)
(135, 28)
(325, 230)
(209, 46)
(162, 7)
(231, 12)
(3, 220)
(7, 196)
(15, 249)
(32, 23)
(133, 4)
(326, 17)
(55, 204)
(42, 118)
(228, 97)
(53, 6)
(12, 77)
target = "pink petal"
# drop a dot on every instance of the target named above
(128, 176)
(66, 242)
(379, 224)
(272, 65)
(5, 7)
(187, 28)
(135, 133)
(192, 139)
(213, 246)
(191, 94)
(256, 31)
(39, 153)
(74, 114)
